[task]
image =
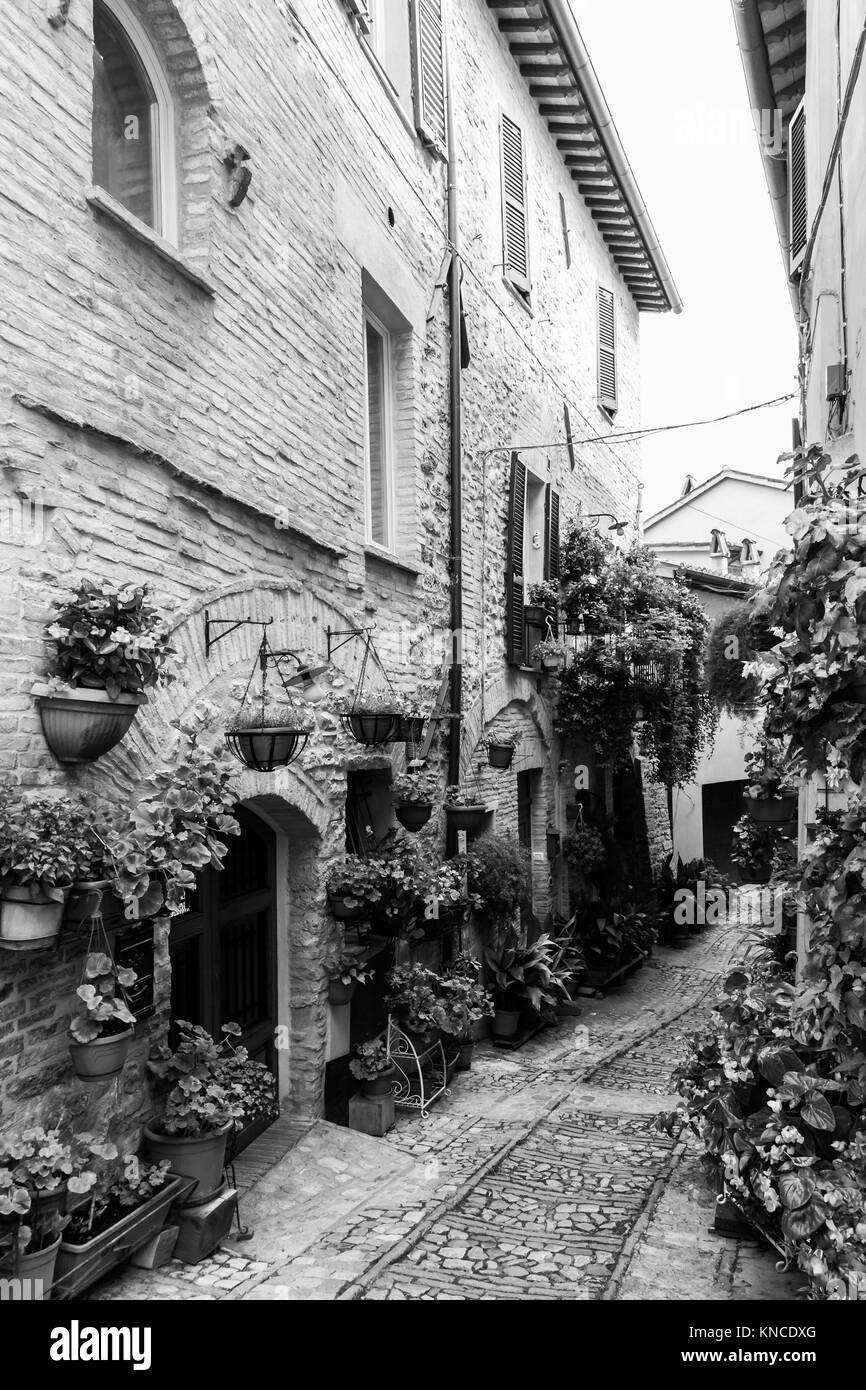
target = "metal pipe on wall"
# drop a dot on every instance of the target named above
(456, 468)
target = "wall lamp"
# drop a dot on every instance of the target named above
(619, 526)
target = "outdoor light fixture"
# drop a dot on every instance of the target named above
(619, 526)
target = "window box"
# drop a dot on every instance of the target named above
(79, 1266)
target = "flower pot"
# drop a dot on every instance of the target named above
(343, 910)
(551, 664)
(413, 815)
(264, 750)
(39, 1266)
(82, 727)
(537, 616)
(421, 1041)
(505, 1023)
(200, 1156)
(29, 924)
(375, 1087)
(371, 728)
(79, 1266)
(410, 729)
(93, 1061)
(340, 994)
(464, 1056)
(466, 818)
(773, 810)
(500, 755)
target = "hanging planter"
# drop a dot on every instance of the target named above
(372, 727)
(263, 748)
(29, 923)
(414, 795)
(410, 729)
(772, 810)
(85, 724)
(500, 751)
(266, 734)
(550, 654)
(104, 1031)
(345, 974)
(466, 817)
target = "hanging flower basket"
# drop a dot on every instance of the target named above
(500, 752)
(85, 724)
(772, 810)
(265, 749)
(466, 818)
(372, 727)
(413, 815)
(414, 793)
(266, 734)
(28, 923)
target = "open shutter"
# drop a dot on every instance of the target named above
(515, 232)
(428, 70)
(514, 576)
(606, 350)
(798, 206)
(551, 534)
(360, 11)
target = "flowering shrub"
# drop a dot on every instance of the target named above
(370, 1060)
(414, 998)
(498, 875)
(109, 639)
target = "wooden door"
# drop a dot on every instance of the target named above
(223, 950)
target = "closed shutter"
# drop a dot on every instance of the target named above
(551, 534)
(798, 207)
(606, 350)
(515, 232)
(514, 573)
(360, 11)
(569, 436)
(428, 69)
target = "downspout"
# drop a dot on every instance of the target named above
(762, 97)
(456, 413)
(581, 65)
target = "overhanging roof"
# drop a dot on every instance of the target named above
(547, 47)
(725, 474)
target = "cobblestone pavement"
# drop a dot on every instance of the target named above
(540, 1177)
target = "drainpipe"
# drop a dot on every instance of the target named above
(454, 275)
(581, 65)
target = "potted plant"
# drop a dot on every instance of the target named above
(410, 720)
(208, 1089)
(128, 1206)
(585, 849)
(345, 973)
(38, 1170)
(498, 876)
(105, 1030)
(465, 1003)
(371, 719)
(526, 979)
(414, 793)
(267, 734)
(45, 845)
(372, 1066)
(550, 653)
(769, 798)
(353, 887)
(415, 1002)
(542, 600)
(110, 646)
(500, 750)
(463, 809)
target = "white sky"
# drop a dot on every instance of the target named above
(673, 78)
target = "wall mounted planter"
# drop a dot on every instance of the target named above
(340, 994)
(81, 727)
(413, 815)
(264, 749)
(773, 810)
(29, 924)
(104, 1057)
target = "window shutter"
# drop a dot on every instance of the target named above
(569, 436)
(515, 233)
(798, 209)
(429, 77)
(360, 11)
(514, 575)
(606, 349)
(551, 534)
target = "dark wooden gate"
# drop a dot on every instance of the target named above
(223, 951)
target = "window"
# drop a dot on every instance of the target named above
(515, 232)
(390, 40)
(533, 552)
(798, 205)
(407, 38)
(133, 119)
(379, 399)
(607, 383)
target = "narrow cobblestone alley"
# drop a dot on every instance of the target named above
(540, 1177)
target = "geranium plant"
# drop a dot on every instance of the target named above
(417, 785)
(414, 997)
(109, 638)
(544, 593)
(498, 875)
(209, 1085)
(36, 1165)
(370, 1060)
(119, 1191)
(46, 843)
(347, 969)
(105, 1011)
(462, 796)
(465, 1003)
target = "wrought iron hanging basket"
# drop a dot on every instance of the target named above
(372, 727)
(266, 749)
(264, 737)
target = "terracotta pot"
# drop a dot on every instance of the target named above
(413, 815)
(103, 1057)
(29, 924)
(340, 994)
(264, 750)
(505, 1022)
(466, 818)
(39, 1266)
(377, 1086)
(500, 755)
(774, 810)
(82, 727)
(200, 1157)
(371, 728)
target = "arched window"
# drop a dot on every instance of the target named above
(133, 119)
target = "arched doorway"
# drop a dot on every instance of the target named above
(223, 950)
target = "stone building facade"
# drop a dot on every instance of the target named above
(185, 402)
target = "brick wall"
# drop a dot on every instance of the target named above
(201, 428)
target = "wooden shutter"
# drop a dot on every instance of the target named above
(515, 232)
(798, 206)
(551, 534)
(606, 349)
(569, 436)
(428, 73)
(514, 574)
(360, 11)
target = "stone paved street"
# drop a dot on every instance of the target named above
(540, 1177)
